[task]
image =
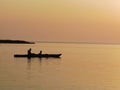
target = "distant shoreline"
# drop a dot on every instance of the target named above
(15, 42)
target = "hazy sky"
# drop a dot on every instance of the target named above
(60, 20)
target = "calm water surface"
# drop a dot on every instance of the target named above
(81, 67)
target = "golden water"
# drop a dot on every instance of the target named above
(81, 67)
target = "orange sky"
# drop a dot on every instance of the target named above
(60, 20)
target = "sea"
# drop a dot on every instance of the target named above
(80, 67)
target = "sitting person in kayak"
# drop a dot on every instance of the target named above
(40, 52)
(29, 52)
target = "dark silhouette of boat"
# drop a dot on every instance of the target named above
(38, 55)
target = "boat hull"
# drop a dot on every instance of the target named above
(38, 55)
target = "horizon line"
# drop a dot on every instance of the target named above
(76, 42)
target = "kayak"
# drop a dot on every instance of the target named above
(38, 55)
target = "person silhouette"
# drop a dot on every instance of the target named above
(29, 52)
(40, 52)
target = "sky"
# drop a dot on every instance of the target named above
(61, 20)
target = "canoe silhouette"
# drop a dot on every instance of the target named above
(38, 55)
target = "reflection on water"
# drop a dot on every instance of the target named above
(39, 64)
(36, 70)
(41, 61)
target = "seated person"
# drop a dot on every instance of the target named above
(29, 51)
(40, 52)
